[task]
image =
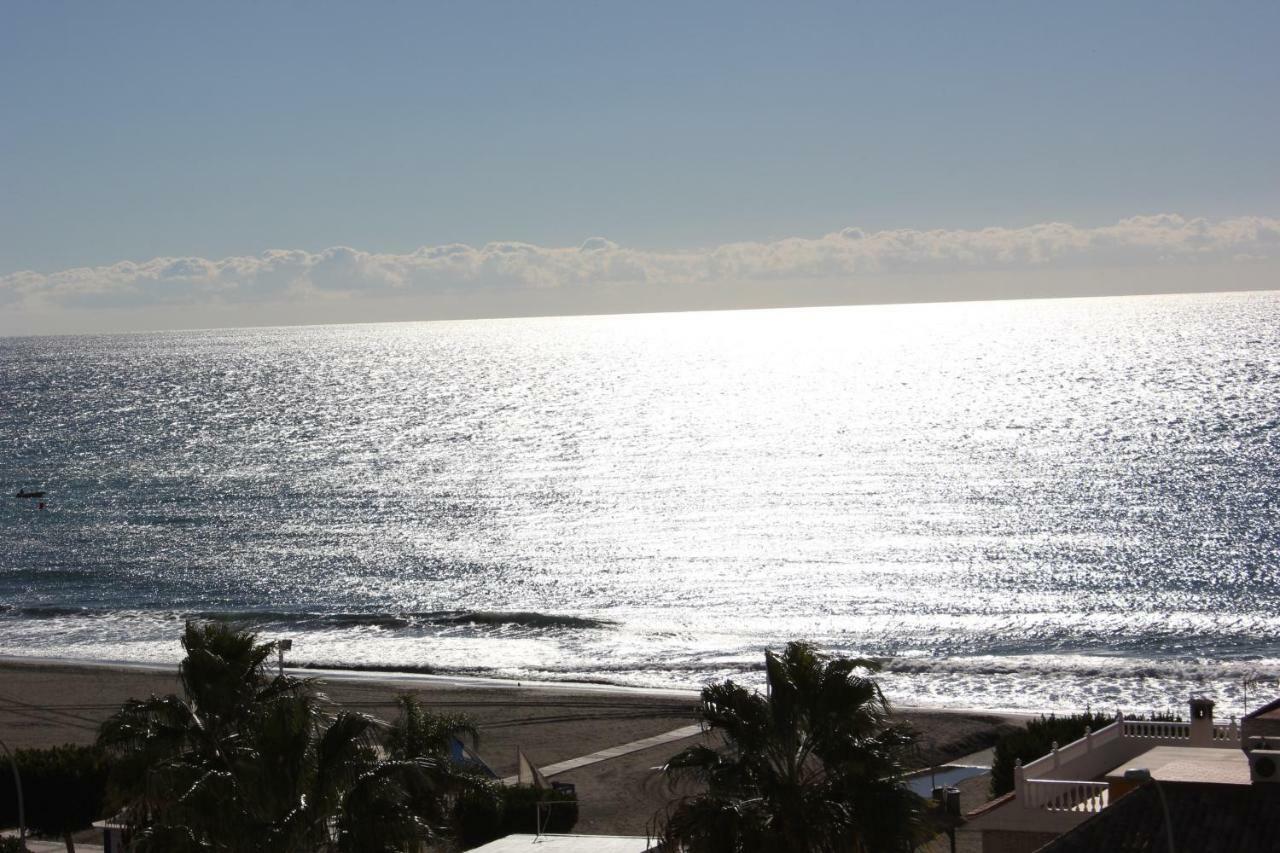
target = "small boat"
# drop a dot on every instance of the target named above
(23, 493)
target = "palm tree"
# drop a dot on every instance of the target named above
(426, 738)
(418, 733)
(812, 766)
(247, 762)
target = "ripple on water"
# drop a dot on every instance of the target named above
(655, 498)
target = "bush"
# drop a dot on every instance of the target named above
(481, 818)
(9, 844)
(520, 810)
(1037, 739)
(63, 788)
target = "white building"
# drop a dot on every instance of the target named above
(1063, 789)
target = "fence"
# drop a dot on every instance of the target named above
(1055, 781)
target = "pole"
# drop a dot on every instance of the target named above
(17, 781)
(1164, 807)
(283, 646)
(1143, 776)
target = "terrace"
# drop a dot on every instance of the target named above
(1064, 788)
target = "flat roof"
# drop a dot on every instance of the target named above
(1190, 764)
(1203, 818)
(567, 844)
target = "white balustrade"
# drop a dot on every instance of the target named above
(1061, 758)
(1158, 729)
(1050, 782)
(1098, 752)
(1066, 795)
(1229, 733)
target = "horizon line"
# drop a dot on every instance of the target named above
(1064, 297)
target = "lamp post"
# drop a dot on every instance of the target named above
(948, 800)
(283, 646)
(17, 782)
(1142, 774)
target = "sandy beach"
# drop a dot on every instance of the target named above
(43, 703)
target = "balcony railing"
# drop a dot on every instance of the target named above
(1098, 752)
(1157, 729)
(1065, 795)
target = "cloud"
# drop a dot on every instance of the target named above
(460, 269)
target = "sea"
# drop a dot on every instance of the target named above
(1021, 505)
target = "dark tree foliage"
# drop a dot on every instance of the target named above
(812, 766)
(1038, 738)
(10, 844)
(244, 761)
(63, 787)
(481, 817)
(1035, 741)
(524, 807)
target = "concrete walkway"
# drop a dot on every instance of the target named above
(51, 846)
(613, 752)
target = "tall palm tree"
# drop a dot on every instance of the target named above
(247, 762)
(812, 766)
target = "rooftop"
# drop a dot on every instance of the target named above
(1205, 817)
(1270, 711)
(1188, 764)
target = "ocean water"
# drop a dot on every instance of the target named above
(1011, 504)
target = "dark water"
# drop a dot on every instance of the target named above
(1016, 504)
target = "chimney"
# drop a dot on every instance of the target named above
(1201, 721)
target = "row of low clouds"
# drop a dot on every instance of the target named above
(846, 254)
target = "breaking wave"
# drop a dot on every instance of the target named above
(1050, 667)
(304, 621)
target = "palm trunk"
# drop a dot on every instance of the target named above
(71, 845)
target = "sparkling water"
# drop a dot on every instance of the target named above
(1011, 504)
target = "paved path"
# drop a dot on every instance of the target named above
(981, 758)
(51, 846)
(613, 752)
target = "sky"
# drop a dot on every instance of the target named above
(173, 165)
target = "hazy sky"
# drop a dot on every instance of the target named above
(177, 164)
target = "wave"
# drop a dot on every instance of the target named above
(522, 619)
(419, 669)
(45, 612)
(326, 621)
(1013, 685)
(376, 641)
(1084, 666)
(1049, 667)
(485, 618)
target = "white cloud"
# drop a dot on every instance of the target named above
(459, 269)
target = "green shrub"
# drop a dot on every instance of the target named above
(520, 810)
(1038, 738)
(481, 818)
(9, 844)
(477, 818)
(63, 788)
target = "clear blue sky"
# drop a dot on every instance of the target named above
(137, 130)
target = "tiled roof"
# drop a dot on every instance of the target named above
(1206, 818)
